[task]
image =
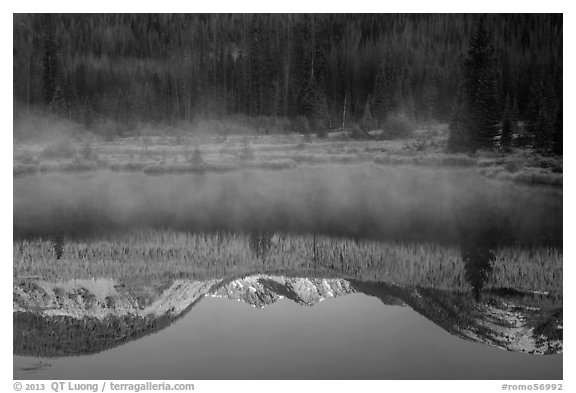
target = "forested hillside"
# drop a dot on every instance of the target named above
(321, 68)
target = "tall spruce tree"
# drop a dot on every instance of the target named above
(459, 137)
(49, 62)
(481, 109)
(507, 131)
(508, 126)
(557, 147)
(314, 106)
(386, 92)
(542, 110)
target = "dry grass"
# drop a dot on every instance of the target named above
(171, 154)
(524, 176)
(24, 169)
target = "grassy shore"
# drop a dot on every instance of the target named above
(204, 153)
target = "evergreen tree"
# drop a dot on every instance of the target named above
(542, 110)
(558, 128)
(507, 131)
(314, 106)
(49, 62)
(508, 127)
(459, 136)
(429, 99)
(386, 92)
(481, 109)
(478, 265)
(367, 122)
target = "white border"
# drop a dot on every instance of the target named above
(241, 6)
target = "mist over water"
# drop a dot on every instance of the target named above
(387, 203)
(489, 288)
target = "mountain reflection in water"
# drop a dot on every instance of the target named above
(66, 304)
(94, 316)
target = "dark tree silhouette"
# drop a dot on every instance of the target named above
(459, 138)
(59, 246)
(480, 109)
(260, 243)
(543, 109)
(478, 260)
(49, 62)
(386, 92)
(558, 128)
(507, 130)
(314, 106)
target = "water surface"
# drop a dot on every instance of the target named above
(313, 273)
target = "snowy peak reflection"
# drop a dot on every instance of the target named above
(88, 316)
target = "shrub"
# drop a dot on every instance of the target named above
(272, 165)
(281, 124)
(420, 144)
(554, 164)
(179, 140)
(300, 124)
(359, 132)
(557, 170)
(88, 153)
(459, 161)
(127, 166)
(145, 147)
(76, 166)
(367, 123)
(511, 166)
(196, 157)
(522, 140)
(397, 126)
(247, 152)
(155, 169)
(26, 157)
(62, 149)
(23, 169)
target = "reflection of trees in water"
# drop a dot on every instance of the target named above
(144, 255)
(486, 225)
(61, 335)
(260, 243)
(59, 246)
(478, 256)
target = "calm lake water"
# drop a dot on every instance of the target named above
(315, 273)
(351, 337)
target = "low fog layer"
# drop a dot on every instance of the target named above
(353, 201)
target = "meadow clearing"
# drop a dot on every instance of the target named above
(190, 152)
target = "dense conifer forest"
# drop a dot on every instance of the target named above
(329, 70)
